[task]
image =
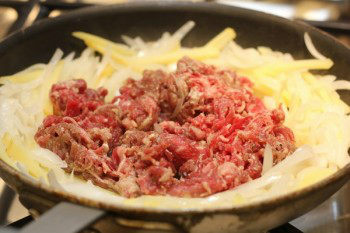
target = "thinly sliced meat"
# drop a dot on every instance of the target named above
(190, 133)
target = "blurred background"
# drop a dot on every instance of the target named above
(333, 16)
(330, 15)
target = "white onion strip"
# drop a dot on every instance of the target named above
(311, 48)
(268, 159)
(341, 85)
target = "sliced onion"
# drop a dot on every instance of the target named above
(341, 85)
(268, 159)
(182, 31)
(311, 48)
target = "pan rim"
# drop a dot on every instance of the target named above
(212, 8)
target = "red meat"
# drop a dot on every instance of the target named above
(190, 133)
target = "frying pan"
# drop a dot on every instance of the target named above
(148, 20)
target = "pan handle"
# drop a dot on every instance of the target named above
(64, 217)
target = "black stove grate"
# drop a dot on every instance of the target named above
(24, 8)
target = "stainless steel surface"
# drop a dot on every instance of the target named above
(281, 9)
(315, 10)
(6, 199)
(17, 211)
(333, 216)
(7, 230)
(64, 217)
(11, 211)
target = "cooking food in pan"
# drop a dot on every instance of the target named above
(160, 125)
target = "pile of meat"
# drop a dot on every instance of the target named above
(190, 133)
